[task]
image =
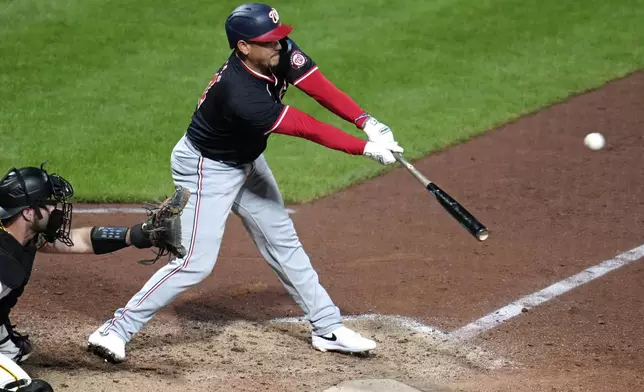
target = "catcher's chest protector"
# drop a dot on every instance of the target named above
(16, 261)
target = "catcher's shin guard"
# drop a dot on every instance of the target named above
(12, 376)
(34, 385)
(13, 344)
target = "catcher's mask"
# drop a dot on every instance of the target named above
(33, 187)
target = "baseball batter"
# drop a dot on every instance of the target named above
(35, 215)
(220, 159)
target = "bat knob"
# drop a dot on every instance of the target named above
(482, 235)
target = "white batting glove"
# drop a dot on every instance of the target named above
(378, 132)
(382, 152)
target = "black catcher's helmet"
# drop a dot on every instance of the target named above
(33, 187)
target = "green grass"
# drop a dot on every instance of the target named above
(103, 89)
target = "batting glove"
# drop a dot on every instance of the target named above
(382, 152)
(377, 131)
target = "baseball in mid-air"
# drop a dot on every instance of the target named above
(595, 141)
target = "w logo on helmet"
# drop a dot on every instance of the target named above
(274, 15)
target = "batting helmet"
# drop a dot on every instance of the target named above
(255, 22)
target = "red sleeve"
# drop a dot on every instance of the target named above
(318, 87)
(294, 122)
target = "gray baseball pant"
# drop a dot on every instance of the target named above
(251, 192)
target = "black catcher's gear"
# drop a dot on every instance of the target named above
(35, 385)
(33, 187)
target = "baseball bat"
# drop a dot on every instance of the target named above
(455, 209)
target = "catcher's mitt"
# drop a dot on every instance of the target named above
(163, 226)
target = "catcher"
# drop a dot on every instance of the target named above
(35, 215)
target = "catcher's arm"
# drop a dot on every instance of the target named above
(82, 239)
(162, 230)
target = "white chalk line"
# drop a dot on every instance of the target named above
(110, 210)
(433, 334)
(126, 210)
(515, 308)
(471, 330)
(498, 317)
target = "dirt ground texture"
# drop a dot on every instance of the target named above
(384, 247)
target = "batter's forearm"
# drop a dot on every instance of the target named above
(299, 124)
(318, 87)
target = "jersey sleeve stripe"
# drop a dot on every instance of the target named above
(279, 120)
(306, 75)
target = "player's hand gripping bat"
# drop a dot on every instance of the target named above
(457, 211)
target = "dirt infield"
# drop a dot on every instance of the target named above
(384, 247)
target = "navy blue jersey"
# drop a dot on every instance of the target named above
(240, 107)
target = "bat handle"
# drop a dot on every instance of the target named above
(419, 176)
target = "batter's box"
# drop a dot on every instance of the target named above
(406, 346)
